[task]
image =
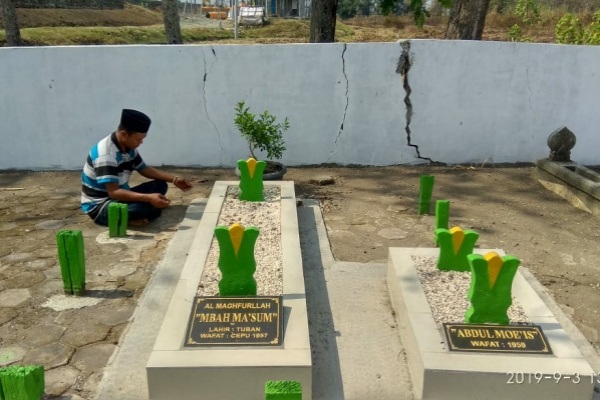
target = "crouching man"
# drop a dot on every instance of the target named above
(109, 165)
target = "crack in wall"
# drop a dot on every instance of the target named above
(403, 68)
(529, 89)
(204, 79)
(347, 102)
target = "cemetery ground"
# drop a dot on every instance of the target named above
(366, 211)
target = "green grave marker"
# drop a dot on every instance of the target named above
(236, 259)
(251, 179)
(283, 390)
(490, 292)
(442, 215)
(425, 192)
(455, 245)
(22, 382)
(118, 218)
(71, 257)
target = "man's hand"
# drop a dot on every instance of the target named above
(158, 200)
(182, 183)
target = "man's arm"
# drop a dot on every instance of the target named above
(153, 173)
(155, 199)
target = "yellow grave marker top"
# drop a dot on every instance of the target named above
(494, 265)
(458, 235)
(236, 233)
(251, 166)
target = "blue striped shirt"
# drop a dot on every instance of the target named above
(106, 163)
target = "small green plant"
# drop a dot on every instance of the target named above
(528, 11)
(569, 30)
(261, 132)
(515, 33)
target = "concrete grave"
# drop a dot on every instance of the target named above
(437, 373)
(230, 372)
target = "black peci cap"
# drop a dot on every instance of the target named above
(135, 121)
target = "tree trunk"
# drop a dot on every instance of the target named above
(11, 23)
(322, 21)
(467, 19)
(171, 19)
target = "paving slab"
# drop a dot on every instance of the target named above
(11, 354)
(58, 380)
(14, 297)
(50, 356)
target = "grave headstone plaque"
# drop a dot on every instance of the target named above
(234, 321)
(496, 338)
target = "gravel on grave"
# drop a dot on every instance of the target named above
(266, 216)
(446, 292)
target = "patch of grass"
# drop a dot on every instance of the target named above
(65, 36)
(130, 15)
(279, 28)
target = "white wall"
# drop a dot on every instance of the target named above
(471, 101)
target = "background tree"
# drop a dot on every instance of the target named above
(322, 21)
(352, 8)
(171, 19)
(11, 23)
(416, 7)
(467, 19)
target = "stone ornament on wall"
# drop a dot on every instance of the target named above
(561, 142)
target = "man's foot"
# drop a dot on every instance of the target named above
(137, 223)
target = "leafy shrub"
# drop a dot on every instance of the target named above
(592, 33)
(528, 11)
(569, 30)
